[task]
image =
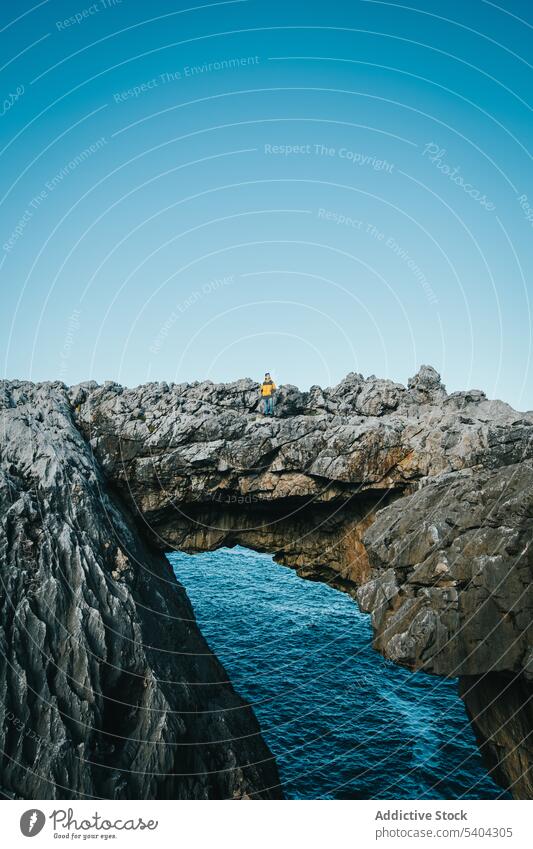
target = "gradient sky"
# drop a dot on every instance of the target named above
(214, 190)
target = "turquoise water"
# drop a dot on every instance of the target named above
(341, 721)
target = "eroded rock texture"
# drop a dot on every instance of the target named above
(451, 593)
(107, 688)
(416, 502)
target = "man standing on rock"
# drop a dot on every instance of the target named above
(268, 389)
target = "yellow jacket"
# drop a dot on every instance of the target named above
(268, 388)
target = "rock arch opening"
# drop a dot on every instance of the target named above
(321, 540)
(444, 568)
(341, 721)
(416, 502)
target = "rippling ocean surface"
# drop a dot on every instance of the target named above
(342, 722)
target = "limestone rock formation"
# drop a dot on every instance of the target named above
(416, 502)
(107, 688)
(451, 593)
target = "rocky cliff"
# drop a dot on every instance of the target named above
(107, 688)
(415, 501)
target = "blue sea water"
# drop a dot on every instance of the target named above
(342, 722)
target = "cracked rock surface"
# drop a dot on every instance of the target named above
(107, 687)
(417, 502)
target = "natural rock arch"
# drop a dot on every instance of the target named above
(416, 502)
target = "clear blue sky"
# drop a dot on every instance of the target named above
(211, 190)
